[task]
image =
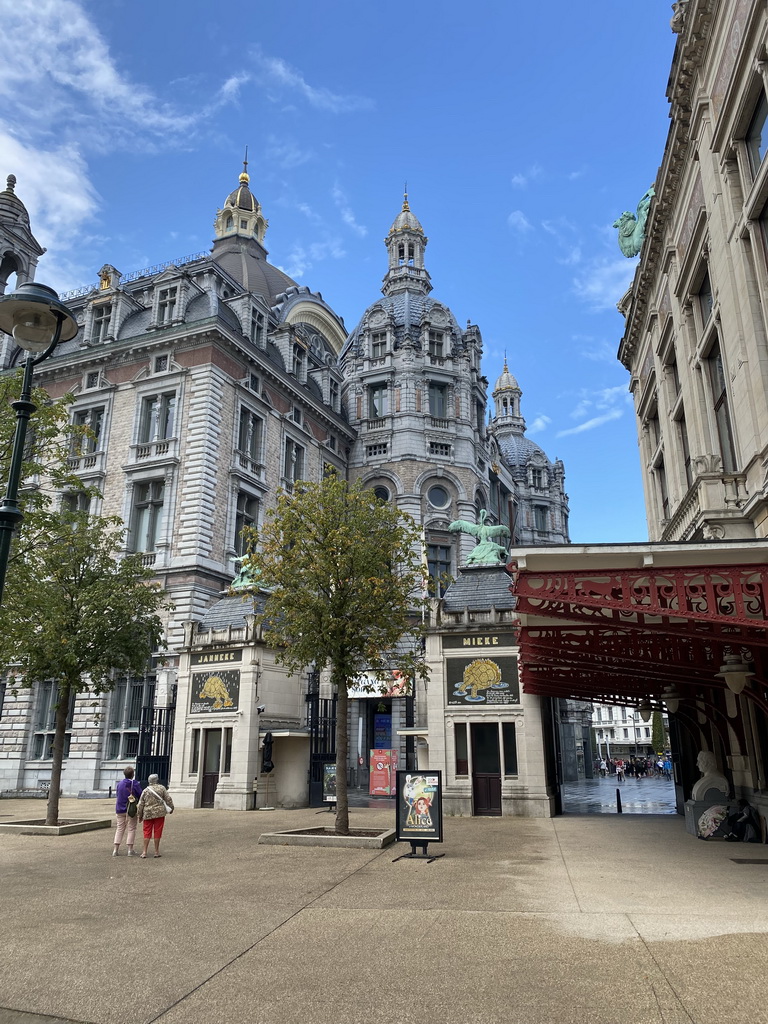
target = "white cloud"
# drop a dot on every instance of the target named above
(597, 421)
(302, 258)
(595, 349)
(309, 213)
(602, 283)
(279, 73)
(230, 90)
(600, 407)
(346, 212)
(519, 222)
(78, 75)
(286, 153)
(523, 178)
(539, 424)
(572, 258)
(54, 187)
(63, 98)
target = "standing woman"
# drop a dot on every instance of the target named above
(155, 803)
(128, 793)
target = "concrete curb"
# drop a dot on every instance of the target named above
(308, 837)
(32, 828)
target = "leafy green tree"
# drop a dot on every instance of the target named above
(346, 587)
(657, 733)
(75, 612)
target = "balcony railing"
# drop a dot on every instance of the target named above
(91, 461)
(251, 465)
(162, 448)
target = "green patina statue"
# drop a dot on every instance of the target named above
(632, 227)
(246, 578)
(486, 551)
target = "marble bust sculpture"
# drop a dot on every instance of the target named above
(710, 777)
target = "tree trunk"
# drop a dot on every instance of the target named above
(62, 713)
(342, 750)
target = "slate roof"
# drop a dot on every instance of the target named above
(517, 449)
(407, 309)
(479, 587)
(229, 611)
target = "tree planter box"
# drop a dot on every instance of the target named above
(360, 838)
(35, 827)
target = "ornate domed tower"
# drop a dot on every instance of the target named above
(19, 249)
(541, 502)
(417, 397)
(241, 214)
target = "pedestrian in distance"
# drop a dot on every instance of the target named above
(128, 794)
(154, 805)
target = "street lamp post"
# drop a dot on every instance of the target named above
(38, 321)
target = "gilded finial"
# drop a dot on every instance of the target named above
(245, 177)
(406, 207)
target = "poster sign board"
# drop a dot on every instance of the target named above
(382, 765)
(419, 807)
(215, 691)
(329, 783)
(482, 681)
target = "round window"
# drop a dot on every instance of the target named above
(381, 493)
(438, 496)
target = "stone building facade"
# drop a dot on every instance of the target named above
(696, 321)
(210, 382)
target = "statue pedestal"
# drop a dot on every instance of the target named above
(695, 808)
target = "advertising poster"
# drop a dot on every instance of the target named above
(482, 681)
(215, 691)
(329, 783)
(419, 807)
(380, 765)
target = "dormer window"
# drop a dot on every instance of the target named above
(101, 317)
(299, 362)
(436, 350)
(257, 328)
(379, 345)
(166, 306)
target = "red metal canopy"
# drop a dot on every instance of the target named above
(622, 635)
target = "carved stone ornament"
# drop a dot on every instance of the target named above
(678, 16)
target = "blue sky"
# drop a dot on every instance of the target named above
(523, 131)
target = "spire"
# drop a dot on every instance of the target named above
(241, 214)
(405, 244)
(506, 399)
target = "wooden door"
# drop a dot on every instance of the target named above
(486, 769)
(211, 764)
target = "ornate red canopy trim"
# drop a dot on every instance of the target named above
(735, 595)
(633, 633)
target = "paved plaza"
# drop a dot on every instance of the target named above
(593, 919)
